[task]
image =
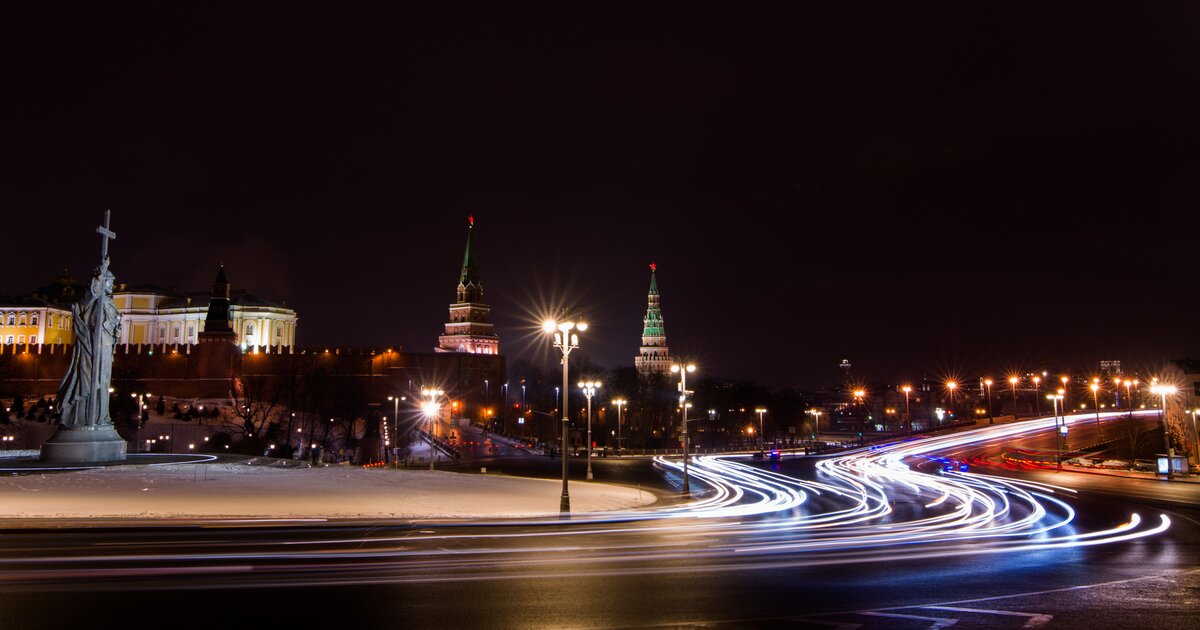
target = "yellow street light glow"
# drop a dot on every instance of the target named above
(549, 325)
(951, 385)
(1013, 380)
(906, 389)
(987, 381)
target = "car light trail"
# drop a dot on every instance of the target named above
(869, 505)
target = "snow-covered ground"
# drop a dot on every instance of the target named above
(245, 491)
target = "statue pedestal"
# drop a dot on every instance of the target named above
(84, 445)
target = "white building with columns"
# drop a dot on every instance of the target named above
(153, 315)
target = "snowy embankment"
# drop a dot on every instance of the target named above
(242, 491)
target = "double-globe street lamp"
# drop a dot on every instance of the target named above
(589, 389)
(566, 341)
(395, 442)
(1060, 432)
(683, 369)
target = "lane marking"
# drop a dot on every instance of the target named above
(1036, 620)
(938, 622)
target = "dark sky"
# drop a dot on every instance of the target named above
(924, 189)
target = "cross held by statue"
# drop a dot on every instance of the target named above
(105, 234)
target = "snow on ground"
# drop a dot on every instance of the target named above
(245, 491)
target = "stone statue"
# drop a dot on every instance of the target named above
(85, 433)
(83, 395)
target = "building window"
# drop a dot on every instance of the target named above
(22, 321)
(175, 333)
(278, 334)
(12, 319)
(32, 338)
(33, 319)
(9, 341)
(162, 333)
(20, 338)
(191, 333)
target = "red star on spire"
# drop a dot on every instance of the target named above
(471, 219)
(653, 267)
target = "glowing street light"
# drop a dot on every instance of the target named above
(620, 403)
(988, 383)
(816, 413)
(682, 370)
(1095, 387)
(1012, 383)
(1037, 393)
(1163, 391)
(907, 389)
(431, 408)
(566, 341)
(589, 389)
(950, 387)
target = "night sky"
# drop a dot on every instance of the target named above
(923, 189)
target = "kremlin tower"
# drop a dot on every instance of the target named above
(653, 358)
(470, 327)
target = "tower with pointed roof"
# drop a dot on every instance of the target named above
(653, 357)
(470, 326)
(216, 321)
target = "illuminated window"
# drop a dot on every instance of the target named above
(191, 332)
(278, 333)
(20, 338)
(23, 320)
(32, 338)
(175, 332)
(162, 332)
(249, 330)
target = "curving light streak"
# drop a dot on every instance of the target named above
(871, 505)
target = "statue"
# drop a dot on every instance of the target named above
(83, 394)
(85, 433)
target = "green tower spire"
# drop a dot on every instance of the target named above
(654, 356)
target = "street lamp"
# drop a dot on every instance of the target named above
(761, 433)
(907, 389)
(859, 394)
(683, 370)
(1163, 391)
(1058, 432)
(816, 413)
(620, 403)
(1012, 382)
(1037, 394)
(395, 427)
(991, 418)
(431, 408)
(566, 341)
(1096, 399)
(951, 386)
(589, 389)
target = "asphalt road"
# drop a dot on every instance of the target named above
(620, 573)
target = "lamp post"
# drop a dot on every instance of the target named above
(682, 370)
(395, 427)
(431, 409)
(565, 341)
(859, 394)
(1012, 382)
(988, 383)
(1096, 399)
(1037, 394)
(1195, 451)
(950, 387)
(1163, 391)
(620, 403)
(907, 389)
(589, 389)
(816, 413)
(762, 435)
(1058, 432)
